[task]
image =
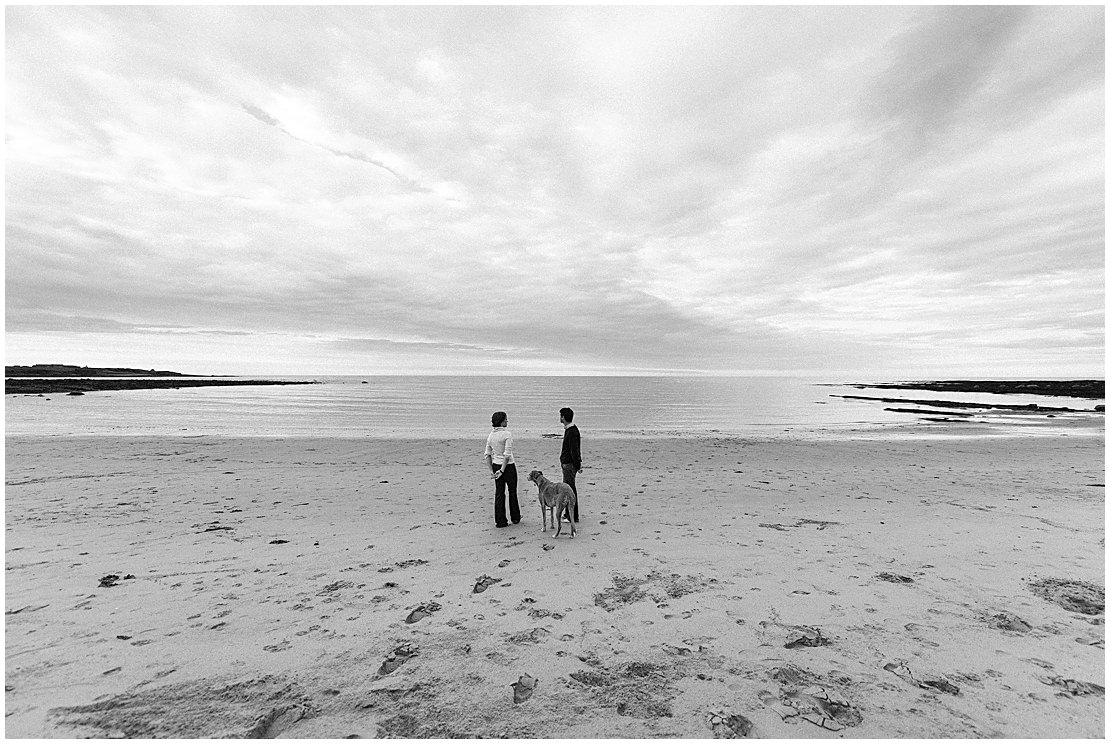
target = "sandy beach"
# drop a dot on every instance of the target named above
(778, 588)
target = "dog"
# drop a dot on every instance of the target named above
(556, 498)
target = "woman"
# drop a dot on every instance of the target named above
(499, 460)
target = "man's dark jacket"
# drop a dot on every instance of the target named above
(572, 447)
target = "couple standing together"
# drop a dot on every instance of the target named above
(499, 459)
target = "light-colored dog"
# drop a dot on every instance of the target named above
(555, 498)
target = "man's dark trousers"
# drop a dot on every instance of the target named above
(571, 459)
(507, 480)
(569, 471)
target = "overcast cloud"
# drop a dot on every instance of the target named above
(901, 192)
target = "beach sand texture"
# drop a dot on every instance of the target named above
(779, 588)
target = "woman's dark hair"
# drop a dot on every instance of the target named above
(499, 418)
(567, 414)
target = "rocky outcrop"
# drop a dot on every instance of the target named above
(1093, 389)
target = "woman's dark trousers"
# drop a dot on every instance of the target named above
(506, 481)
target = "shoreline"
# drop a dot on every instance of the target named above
(1004, 425)
(274, 581)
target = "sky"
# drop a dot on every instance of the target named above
(851, 192)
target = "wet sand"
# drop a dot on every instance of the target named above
(785, 588)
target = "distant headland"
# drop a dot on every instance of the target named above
(72, 370)
(38, 379)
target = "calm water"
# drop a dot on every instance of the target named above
(403, 406)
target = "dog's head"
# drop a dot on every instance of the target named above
(535, 475)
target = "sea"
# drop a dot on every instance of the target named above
(355, 406)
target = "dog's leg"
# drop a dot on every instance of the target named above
(557, 517)
(570, 517)
(543, 514)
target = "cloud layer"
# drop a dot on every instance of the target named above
(357, 189)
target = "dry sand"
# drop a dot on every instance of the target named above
(786, 588)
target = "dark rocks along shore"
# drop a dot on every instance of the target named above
(1093, 389)
(40, 379)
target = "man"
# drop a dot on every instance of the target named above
(571, 457)
(502, 467)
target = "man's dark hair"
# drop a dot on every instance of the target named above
(499, 418)
(567, 414)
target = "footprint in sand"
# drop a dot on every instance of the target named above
(523, 688)
(804, 635)
(538, 612)
(1071, 687)
(931, 682)
(503, 563)
(396, 658)
(535, 635)
(411, 563)
(484, 582)
(893, 578)
(1007, 621)
(1083, 597)
(823, 709)
(814, 704)
(421, 612)
(729, 725)
(772, 701)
